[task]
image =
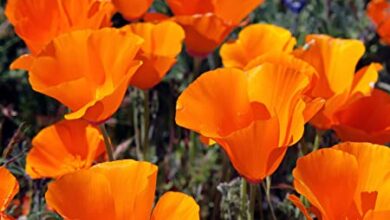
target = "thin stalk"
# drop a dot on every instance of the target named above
(244, 199)
(196, 68)
(146, 125)
(261, 203)
(267, 188)
(317, 140)
(252, 201)
(137, 133)
(107, 143)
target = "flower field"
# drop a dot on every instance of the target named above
(194, 109)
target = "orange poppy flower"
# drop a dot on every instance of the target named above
(163, 42)
(9, 186)
(253, 115)
(37, 22)
(335, 61)
(256, 40)
(379, 12)
(375, 127)
(208, 22)
(354, 182)
(64, 147)
(122, 190)
(88, 71)
(133, 9)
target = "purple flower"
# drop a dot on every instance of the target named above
(295, 6)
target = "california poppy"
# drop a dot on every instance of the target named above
(122, 190)
(8, 189)
(37, 22)
(256, 40)
(375, 127)
(88, 71)
(162, 43)
(253, 115)
(133, 9)
(379, 12)
(208, 22)
(335, 61)
(64, 147)
(354, 182)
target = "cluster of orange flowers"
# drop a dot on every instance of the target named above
(255, 107)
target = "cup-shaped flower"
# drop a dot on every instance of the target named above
(9, 186)
(64, 147)
(133, 9)
(353, 182)
(37, 22)
(162, 43)
(119, 190)
(366, 119)
(335, 61)
(253, 115)
(87, 70)
(208, 22)
(256, 40)
(379, 12)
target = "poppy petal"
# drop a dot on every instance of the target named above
(254, 41)
(297, 202)
(132, 184)
(37, 22)
(132, 10)
(174, 205)
(82, 195)
(234, 12)
(62, 148)
(324, 191)
(210, 99)
(8, 188)
(204, 32)
(91, 66)
(254, 151)
(162, 43)
(184, 7)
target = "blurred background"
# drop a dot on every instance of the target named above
(185, 164)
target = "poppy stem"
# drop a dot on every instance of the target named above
(146, 126)
(196, 68)
(244, 199)
(252, 201)
(137, 133)
(317, 140)
(267, 188)
(107, 142)
(260, 202)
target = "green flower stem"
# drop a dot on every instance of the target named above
(317, 140)
(107, 142)
(146, 126)
(267, 188)
(244, 199)
(252, 201)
